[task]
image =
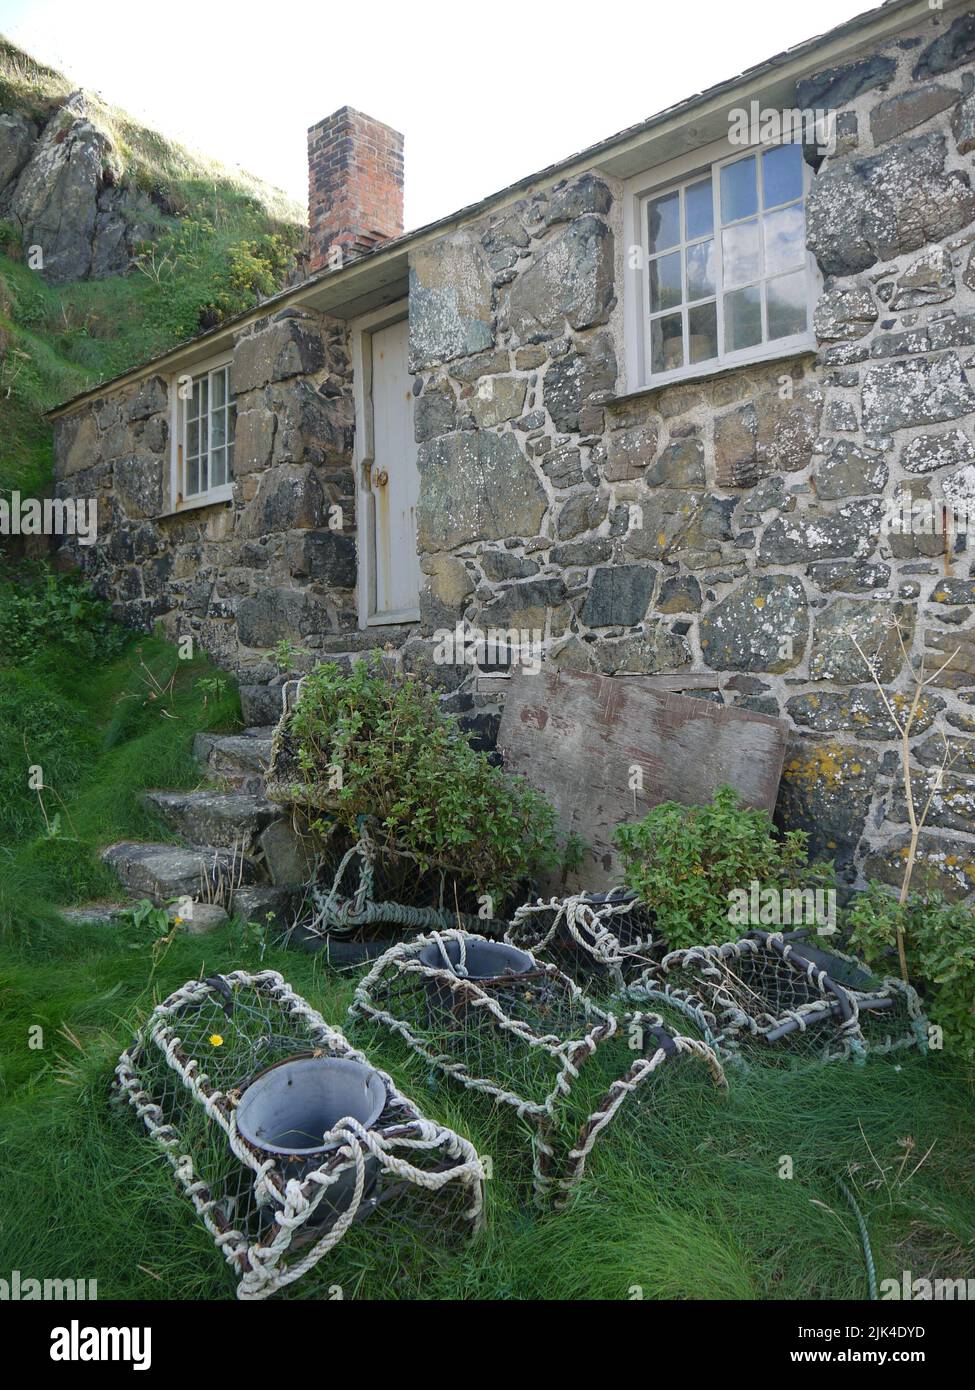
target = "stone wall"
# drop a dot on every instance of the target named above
(729, 526)
(757, 552)
(239, 576)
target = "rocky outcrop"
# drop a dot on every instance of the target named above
(59, 186)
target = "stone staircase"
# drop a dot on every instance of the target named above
(238, 850)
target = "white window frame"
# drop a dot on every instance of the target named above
(224, 491)
(361, 332)
(675, 174)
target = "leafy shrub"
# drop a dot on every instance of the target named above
(683, 861)
(41, 612)
(939, 938)
(408, 770)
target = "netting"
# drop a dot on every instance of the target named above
(360, 889)
(588, 933)
(519, 1031)
(274, 1212)
(772, 988)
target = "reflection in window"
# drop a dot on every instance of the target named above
(726, 262)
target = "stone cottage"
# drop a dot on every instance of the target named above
(694, 402)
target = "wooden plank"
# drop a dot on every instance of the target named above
(578, 737)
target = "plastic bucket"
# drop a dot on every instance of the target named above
(491, 964)
(286, 1110)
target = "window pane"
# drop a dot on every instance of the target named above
(204, 395)
(663, 221)
(781, 174)
(219, 380)
(204, 484)
(218, 428)
(231, 420)
(193, 404)
(230, 460)
(666, 344)
(193, 437)
(702, 325)
(739, 197)
(698, 214)
(785, 239)
(192, 477)
(787, 305)
(218, 465)
(740, 259)
(742, 318)
(665, 289)
(700, 270)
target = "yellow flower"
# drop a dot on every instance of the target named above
(177, 921)
(216, 1040)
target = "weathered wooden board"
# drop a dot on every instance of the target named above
(577, 737)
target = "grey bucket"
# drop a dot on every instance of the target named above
(490, 963)
(287, 1109)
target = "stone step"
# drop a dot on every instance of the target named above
(224, 819)
(165, 872)
(95, 914)
(240, 759)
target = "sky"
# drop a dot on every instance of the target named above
(485, 94)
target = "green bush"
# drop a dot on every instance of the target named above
(939, 939)
(41, 612)
(407, 768)
(684, 861)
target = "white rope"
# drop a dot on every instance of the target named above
(263, 1266)
(568, 1054)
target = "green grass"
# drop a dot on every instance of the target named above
(683, 1196)
(687, 1203)
(221, 241)
(102, 728)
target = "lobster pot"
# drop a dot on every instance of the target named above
(594, 937)
(773, 994)
(290, 1145)
(364, 898)
(516, 1030)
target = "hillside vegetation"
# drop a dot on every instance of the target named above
(218, 241)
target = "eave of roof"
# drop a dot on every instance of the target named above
(380, 276)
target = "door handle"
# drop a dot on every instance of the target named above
(381, 478)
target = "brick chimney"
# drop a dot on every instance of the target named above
(355, 185)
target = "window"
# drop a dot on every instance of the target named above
(726, 273)
(206, 417)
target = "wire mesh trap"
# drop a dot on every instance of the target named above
(361, 889)
(770, 988)
(588, 934)
(496, 1020)
(284, 1137)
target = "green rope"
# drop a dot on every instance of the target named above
(865, 1238)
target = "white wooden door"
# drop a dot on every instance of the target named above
(394, 480)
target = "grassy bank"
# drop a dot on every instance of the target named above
(220, 241)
